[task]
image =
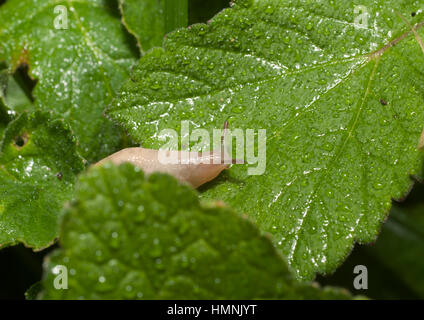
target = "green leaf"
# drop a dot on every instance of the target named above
(176, 14)
(343, 107)
(145, 20)
(38, 167)
(130, 237)
(400, 246)
(4, 111)
(12, 97)
(16, 98)
(79, 66)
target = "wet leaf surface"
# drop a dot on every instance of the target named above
(315, 80)
(79, 53)
(38, 168)
(130, 237)
(145, 20)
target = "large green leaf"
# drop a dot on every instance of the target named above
(130, 237)
(38, 167)
(78, 69)
(343, 106)
(145, 20)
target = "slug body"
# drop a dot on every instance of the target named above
(199, 168)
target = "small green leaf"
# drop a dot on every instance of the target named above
(342, 104)
(33, 291)
(145, 20)
(13, 98)
(130, 237)
(79, 53)
(38, 167)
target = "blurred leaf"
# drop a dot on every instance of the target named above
(395, 262)
(201, 11)
(33, 291)
(130, 237)
(20, 267)
(176, 14)
(145, 20)
(400, 246)
(16, 98)
(383, 283)
(3, 119)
